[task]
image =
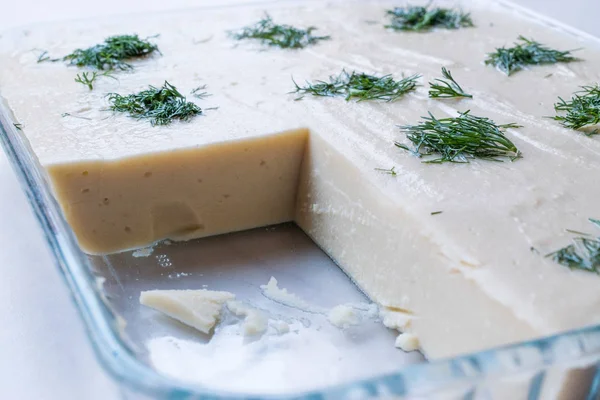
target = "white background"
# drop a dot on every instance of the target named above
(44, 351)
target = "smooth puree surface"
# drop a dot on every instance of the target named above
(467, 277)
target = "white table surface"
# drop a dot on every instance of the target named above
(44, 351)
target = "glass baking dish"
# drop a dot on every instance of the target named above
(156, 358)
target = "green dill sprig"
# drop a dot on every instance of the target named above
(460, 139)
(18, 127)
(160, 105)
(436, 212)
(109, 55)
(582, 110)
(388, 171)
(200, 92)
(44, 57)
(527, 52)
(360, 86)
(418, 18)
(582, 254)
(64, 115)
(284, 36)
(446, 89)
(88, 78)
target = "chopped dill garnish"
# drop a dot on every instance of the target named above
(43, 57)
(18, 127)
(446, 89)
(436, 212)
(573, 231)
(527, 52)
(88, 78)
(418, 18)
(360, 86)
(459, 139)
(582, 110)
(111, 54)
(583, 254)
(74, 116)
(160, 105)
(200, 92)
(284, 36)
(390, 171)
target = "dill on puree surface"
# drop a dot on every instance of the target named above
(526, 52)
(419, 18)
(108, 56)
(583, 254)
(459, 139)
(284, 36)
(112, 53)
(582, 110)
(160, 105)
(446, 88)
(360, 86)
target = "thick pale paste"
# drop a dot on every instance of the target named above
(200, 309)
(466, 277)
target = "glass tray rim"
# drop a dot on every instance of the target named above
(117, 359)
